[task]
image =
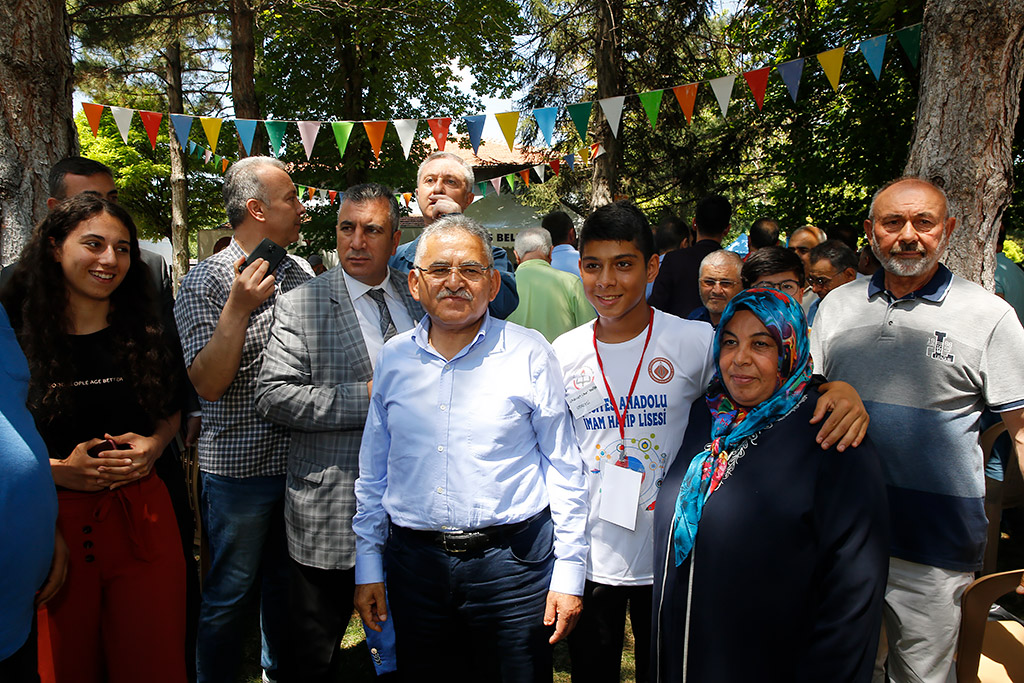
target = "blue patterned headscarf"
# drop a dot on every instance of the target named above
(784, 319)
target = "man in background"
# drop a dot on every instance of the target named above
(832, 264)
(720, 280)
(763, 233)
(564, 256)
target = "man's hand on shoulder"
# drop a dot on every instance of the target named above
(847, 422)
(563, 611)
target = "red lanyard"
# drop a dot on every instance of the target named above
(621, 417)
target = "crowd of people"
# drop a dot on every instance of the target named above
(484, 460)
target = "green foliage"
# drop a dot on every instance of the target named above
(1012, 250)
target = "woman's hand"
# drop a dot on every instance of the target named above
(141, 454)
(80, 472)
(848, 422)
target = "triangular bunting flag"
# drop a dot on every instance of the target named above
(375, 131)
(406, 133)
(612, 108)
(300, 190)
(407, 197)
(790, 72)
(570, 161)
(246, 129)
(525, 174)
(211, 126)
(332, 195)
(496, 184)
(757, 80)
(910, 39)
(475, 124)
(539, 170)
(596, 150)
(322, 192)
(546, 122)
(722, 87)
(584, 154)
(342, 129)
(873, 50)
(511, 180)
(93, 112)
(275, 131)
(580, 115)
(483, 188)
(439, 129)
(182, 125)
(123, 119)
(223, 165)
(151, 121)
(685, 95)
(308, 131)
(207, 155)
(192, 147)
(508, 123)
(832, 64)
(555, 165)
(651, 102)
(310, 191)
(216, 159)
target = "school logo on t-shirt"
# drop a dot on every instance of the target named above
(940, 347)
(582, 378)
(661, 370)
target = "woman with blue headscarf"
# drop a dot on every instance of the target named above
(770, 553)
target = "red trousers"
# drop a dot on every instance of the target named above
(120, 616)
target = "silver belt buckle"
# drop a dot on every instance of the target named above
(445, 535)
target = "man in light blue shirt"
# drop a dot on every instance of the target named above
(564, 256)
(471, 488)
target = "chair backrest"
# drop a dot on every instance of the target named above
(975, 604)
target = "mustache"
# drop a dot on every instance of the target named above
(458, 293)
(914, 248)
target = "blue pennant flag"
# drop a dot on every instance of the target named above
(476, 129)
(874, 53)
(791, 72)
(182, 126)
(546, 121)
(570, 161)
(246, 130)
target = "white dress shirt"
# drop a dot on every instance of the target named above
(369, 315)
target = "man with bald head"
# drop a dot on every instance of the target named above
(444, 185)
(927, 351)
(471, 491)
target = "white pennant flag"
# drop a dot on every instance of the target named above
(322, 193)
(308, 131)
(406, 133)
(539, 170)
(123, 118)
(723, 91)
(612, 108)
(600, 150)
(496, 183)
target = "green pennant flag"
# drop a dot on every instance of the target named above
(511, 178)
(342, 129)
(652, 105)
(300, 190)
(216, 159)
(483, 188)
(910, 39)
(580, 114)
(275, 131)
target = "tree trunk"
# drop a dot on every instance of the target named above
(179, 186)
(608, 65)
(36, 125)
(243, 71)
(972, 64)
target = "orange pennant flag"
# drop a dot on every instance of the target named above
(439, 129)
(332, 194)
(525, 174)
(407, 197)
(555, 164)
(686, 95)
(151, 121)
(832, 64)
(508, 122)
(93, 112)
(223, 165)
(375, 131)
(758, 82)
(310, 191)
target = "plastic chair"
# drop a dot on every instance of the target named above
(989, 651)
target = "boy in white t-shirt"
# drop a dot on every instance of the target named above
(630, 378)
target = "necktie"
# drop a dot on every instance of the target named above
(387, 326)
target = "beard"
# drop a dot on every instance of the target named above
(902, 267)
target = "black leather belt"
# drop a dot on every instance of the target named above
(468, 541)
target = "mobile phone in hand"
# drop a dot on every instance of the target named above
(106, 445)
(267, 250)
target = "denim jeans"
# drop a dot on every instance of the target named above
(475, 616)
(244, 522)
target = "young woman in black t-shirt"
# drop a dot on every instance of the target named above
(104, 397)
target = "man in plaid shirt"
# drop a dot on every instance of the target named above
(224, 318)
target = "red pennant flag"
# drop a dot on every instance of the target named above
(686, 94)
(758, 82)
(555, 164)
(332, 194)
(525, 174)
(439, 128)
(93, 112)
(375, 131)
(151, 121)
(593, 149)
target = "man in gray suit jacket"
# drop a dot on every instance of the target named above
(315, 380)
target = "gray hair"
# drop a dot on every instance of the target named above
(466, 168)
(533, 239)
(242, 183)
(370, 192)
(723, 258)
(455, 222)
(919, 179)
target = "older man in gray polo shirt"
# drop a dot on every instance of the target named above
(928, 352)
